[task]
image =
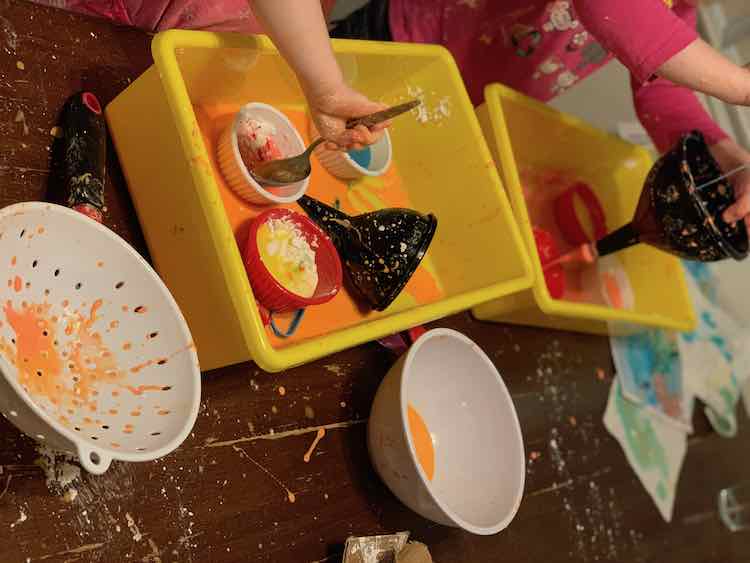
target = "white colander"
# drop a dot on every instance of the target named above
(95, 355)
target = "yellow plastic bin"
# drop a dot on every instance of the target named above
(441, 156)
(526, 135)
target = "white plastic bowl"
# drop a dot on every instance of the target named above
(479, 454)
(234, 170)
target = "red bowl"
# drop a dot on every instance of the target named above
(267, 290)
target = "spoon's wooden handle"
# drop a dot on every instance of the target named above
(380, 116)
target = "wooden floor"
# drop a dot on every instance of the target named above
(222, 496)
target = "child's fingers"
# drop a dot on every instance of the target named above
(739, 210)
(381, 126)
(363, 135)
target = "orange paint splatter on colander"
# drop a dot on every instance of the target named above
(90, 359)
(141, 389)
(36, 359)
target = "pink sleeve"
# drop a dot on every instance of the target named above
(668, 111)
(642, 34)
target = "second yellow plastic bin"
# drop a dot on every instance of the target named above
(526, 135)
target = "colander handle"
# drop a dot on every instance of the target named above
(93, 460)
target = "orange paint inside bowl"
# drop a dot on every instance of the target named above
(422, 440)
(344, 310)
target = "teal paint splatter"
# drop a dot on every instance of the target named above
(641, 437)
(661, 490)
(708, 319)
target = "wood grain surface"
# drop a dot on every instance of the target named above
(224, 495)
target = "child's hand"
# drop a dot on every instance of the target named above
(331, 108)
(729, 155)
(741, 209)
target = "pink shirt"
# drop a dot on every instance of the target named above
(543, 48)
(157, 15)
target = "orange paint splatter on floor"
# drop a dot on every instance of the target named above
(290, 496)
(318, 437)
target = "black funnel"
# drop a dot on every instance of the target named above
(380, 250)
(678, 215)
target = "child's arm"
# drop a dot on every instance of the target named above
(298, 29)
(653, 40)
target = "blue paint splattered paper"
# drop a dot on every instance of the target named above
(654, 448)
(650, 373)
(714, 356)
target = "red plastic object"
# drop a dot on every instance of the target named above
(548, 251)
(269, 292)
(568, 221)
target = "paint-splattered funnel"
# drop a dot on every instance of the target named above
(380, 250)
(681, 206)
(95, 355)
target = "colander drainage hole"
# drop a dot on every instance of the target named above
(119, 285)
(34, 263)
(95, 459)
(78, 285)
(156, 433)
(23, 232)
(56, 272)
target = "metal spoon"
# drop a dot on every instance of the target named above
(291, 170)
